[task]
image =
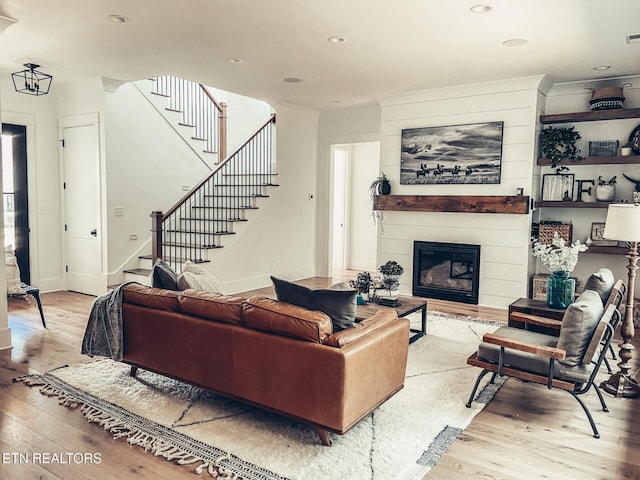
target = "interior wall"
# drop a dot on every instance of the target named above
(40, 114)
(280, 238)
(574, 97)
(504, 238)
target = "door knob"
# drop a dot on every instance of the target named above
(94, 233)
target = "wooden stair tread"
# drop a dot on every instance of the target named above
(138, 271)
(214, 219)
(180, 230)
(242, 207)
(184, 245)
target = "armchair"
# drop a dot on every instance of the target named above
(568, 362)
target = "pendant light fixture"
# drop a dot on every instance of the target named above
(31, 81)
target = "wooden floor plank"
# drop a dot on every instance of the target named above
(526, 432)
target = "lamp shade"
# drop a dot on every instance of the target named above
(623, 222)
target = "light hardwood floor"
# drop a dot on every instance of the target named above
(526, 432)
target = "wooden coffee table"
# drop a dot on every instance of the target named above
(407, 306)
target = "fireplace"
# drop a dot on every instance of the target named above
(448, 271)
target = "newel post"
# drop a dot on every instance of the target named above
(156, 235)
(223, 132)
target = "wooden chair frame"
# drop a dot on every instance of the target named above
(595, 353)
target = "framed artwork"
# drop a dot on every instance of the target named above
(453, 154)
(597, 236)
(556, 188)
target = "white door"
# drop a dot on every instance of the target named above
(339, 217)
(82, 209)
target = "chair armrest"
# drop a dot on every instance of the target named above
(536, 320)
(541, 350)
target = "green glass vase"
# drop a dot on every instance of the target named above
(561, 289)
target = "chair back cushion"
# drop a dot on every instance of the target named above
(578, 325)
(601, 282)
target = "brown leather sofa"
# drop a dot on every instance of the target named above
(267, 353)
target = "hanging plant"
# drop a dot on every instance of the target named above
(558, 143)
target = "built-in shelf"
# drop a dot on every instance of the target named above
(514, 204)
(607, 250)
(594, 161)
(560, 204)
(614, 114)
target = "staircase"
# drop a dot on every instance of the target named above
(200, 222)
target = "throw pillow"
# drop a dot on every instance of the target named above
(338, 302)
(197, 278)
(578, 324)
(163, 276)
(601, 282)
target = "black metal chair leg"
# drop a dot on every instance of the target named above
(606, 362)
(596, 434)
(475, 387)
(602, 402)
(493, 378)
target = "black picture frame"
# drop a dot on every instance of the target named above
(558, 187)
(452, 154)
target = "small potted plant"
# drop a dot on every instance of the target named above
(557, 143)
(391, 272)
(362, 284)
(380, 186)
(606, 189)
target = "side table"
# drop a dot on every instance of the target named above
(534, 307)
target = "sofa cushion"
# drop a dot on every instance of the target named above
(151, 297)
(378, 320)
(212, 306)
(338, 301)
(578, 324)
(197, 278)
(601, 282)
(270, 315)
(163, 276)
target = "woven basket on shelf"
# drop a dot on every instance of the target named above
(604, 148)
(546, 231)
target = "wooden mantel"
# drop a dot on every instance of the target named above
(514, 204)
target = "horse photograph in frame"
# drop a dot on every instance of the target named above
(452, 154)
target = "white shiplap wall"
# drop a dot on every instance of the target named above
(505, 260)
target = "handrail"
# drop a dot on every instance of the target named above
(209, 210)
(272, 119)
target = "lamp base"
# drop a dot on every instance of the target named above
(622, 386)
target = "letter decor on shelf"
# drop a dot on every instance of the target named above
(513, 204)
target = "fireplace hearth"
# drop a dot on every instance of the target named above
(447, 271)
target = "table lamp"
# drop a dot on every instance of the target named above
(623, 224)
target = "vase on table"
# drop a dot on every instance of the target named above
(392, 284)
(561, 289)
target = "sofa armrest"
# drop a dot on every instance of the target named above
(365, 327)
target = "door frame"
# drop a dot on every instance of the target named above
(83, 120)
(28, 121)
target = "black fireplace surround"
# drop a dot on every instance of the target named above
(447, 271)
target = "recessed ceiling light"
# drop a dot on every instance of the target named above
(292, 80)
(337, 39)
(481, 8)
(602, 67)
(515, 42)
(234, 60)
(118, 18)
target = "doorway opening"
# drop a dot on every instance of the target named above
(15, 198)
(354, 235)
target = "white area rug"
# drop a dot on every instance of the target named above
(191, 426)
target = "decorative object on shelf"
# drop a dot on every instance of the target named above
(623, 224)
(635, 196)
(634, 140)
(606, 189)
(582, 190)
(603, 148)
(557, 188)
(558, 143)
(539, 290)
(31, 81)
(362, 284)
(627, 149)
(452, 154)
(597, 236)
(561, 258)
(606, 98)
(547, 230)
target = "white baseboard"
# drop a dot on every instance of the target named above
(5, 339)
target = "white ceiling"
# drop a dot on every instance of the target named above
(392, 46)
